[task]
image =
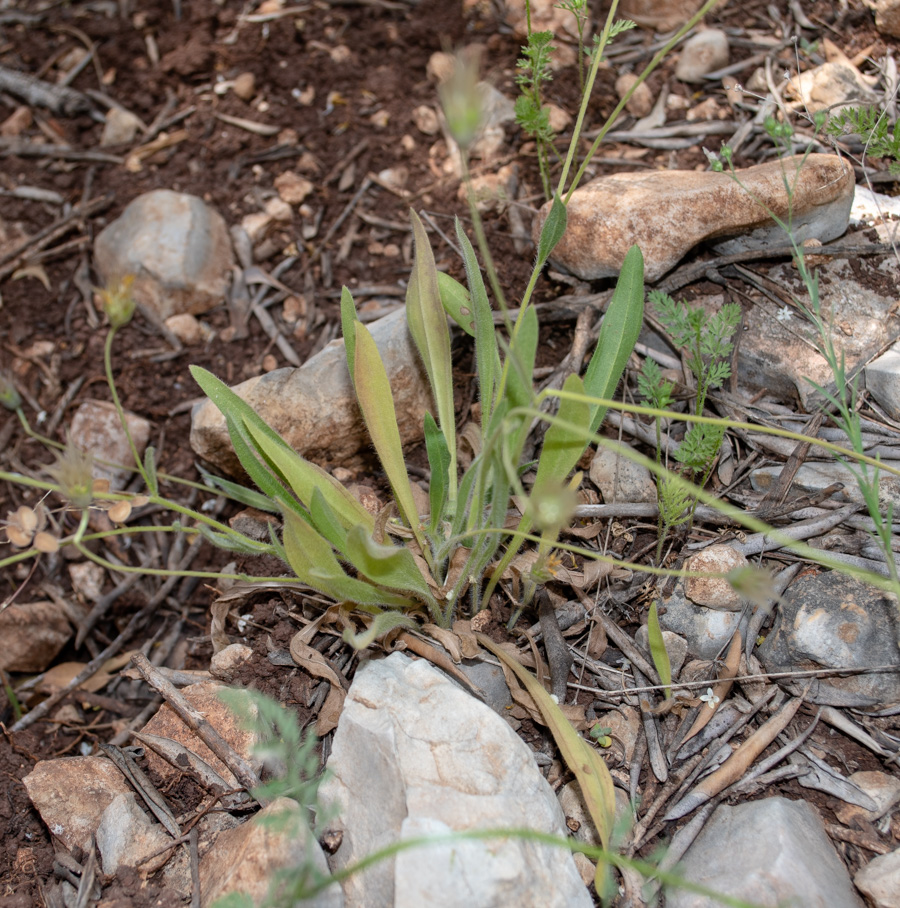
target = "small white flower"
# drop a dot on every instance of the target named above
(709, 698)
(784, 314)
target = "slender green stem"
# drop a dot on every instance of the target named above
(107, 364)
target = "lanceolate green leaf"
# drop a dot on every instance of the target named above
(439, 462)
(377, 405)
(618, 334)
(311, 558)
(236, 411)
(552, 231)
(249, 497)
(455, 300)
(563, 444)
(428, 326)
(304, 478)
(487, 354)
(658, 650)
(348, 329)
(387, 565)
(520, 372)
(326, 522)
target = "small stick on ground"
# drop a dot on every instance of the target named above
(196, 721)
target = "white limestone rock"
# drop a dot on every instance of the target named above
(414, 754)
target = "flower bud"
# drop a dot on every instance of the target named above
(118, 303)
(9, 396)
(462, 99)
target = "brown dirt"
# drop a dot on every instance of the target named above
(369, 60)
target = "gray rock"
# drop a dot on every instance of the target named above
(883, 381)
(489, 679)
(120, 128)
(702, 53)
(177, 247)
(767, 852)
(621, 479)
(126, 835)
(676, 647)
(833, 621)
(880, 880)
(707, 630)
(96, 428)
(314, 407)
(669, 212)
(778, 349)
(413, 754)
(811, 478)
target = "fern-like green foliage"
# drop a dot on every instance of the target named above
(533, 71)
(873, 127)
(705, 341)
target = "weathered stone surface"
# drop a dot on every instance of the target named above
(813, 477)
(120, 128)
(32, 634)
(880, 878)
(641, 101)
(245, 859)
(314, 407)
(707, 630)
(414, 754)
(833, 621)
(661, 15)
(227, 661)
(702, 53)
(883, 381)
(96, 429)
(714, 592)
(767, 852)
(778, 344)
(676, 647)
(203, 696)
(669, 212)
(177, 247)
(882, 788)
(126, 835)
(831, 86)
(71, 794)
(621, 479)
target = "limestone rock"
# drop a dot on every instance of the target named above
(621, 479)
(669, 212)
(177, 247)
(880, 878)
(831, 86)
(72, 793)
(767, 852)
(120, 128)
(33, 633)
(126, 835)
(833, 621)
(245, 859)
(314, 407)
(707, 630)
(641, 102)
(660, 15)
(96, 428)
(414, 754)
(203, 696)
(714, 592)
(883, 381)
(702, 53)
(225, 663)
